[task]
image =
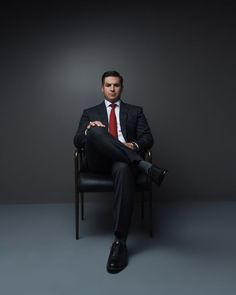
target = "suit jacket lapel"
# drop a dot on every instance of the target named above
(103, 114)
(123, 118)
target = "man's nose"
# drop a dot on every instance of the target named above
(112, 88)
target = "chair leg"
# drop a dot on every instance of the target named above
(142, 205)
(77, 216)
(150, 214)
(82, 205)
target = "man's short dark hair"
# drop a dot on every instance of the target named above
(112, 74)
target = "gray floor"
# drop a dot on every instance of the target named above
(193, 251)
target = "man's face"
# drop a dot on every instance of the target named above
(112, 89)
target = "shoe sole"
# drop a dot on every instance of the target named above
(114, 271)
(163, 180)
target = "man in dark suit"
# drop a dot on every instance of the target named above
(114, 136)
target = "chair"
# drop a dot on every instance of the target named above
(94, 182)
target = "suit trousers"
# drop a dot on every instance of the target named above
(106, 154)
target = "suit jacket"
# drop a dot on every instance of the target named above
(134, 125)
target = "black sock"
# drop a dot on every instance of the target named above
(120, 238)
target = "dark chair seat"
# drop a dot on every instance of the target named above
(94, 182)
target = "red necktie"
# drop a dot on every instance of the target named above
(112, 121)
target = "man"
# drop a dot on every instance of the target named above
(114, 136)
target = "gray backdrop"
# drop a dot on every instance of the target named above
(178, 62)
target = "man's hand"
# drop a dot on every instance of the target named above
(95, 123)
(130, 145)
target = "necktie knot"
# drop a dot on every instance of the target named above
(113, 105)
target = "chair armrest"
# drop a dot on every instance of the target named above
(76, 168)
(78, 158)
(148, 156)
(77, 165)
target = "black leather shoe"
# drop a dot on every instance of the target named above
(118, 258)
(157, 174)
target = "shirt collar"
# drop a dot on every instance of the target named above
(108, 103)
